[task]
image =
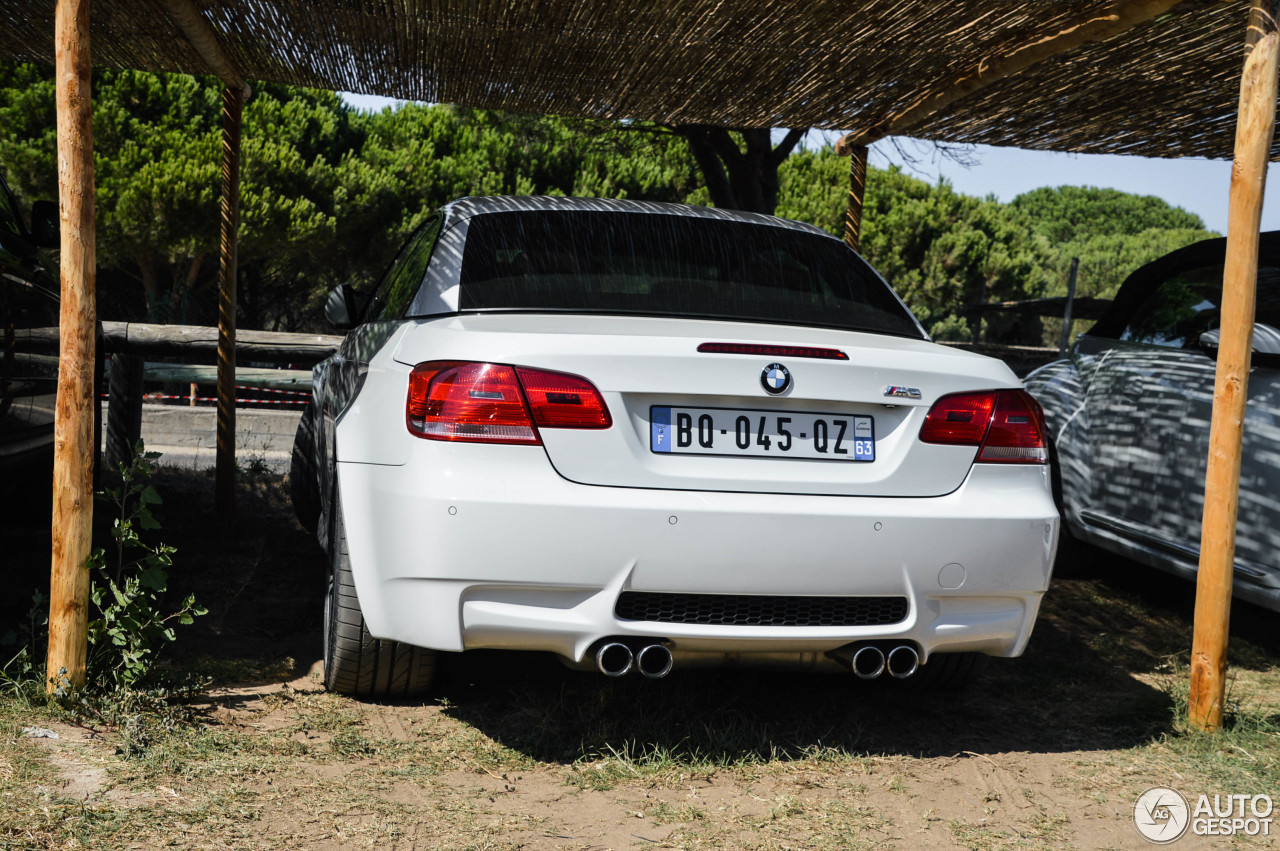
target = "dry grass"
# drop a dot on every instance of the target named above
(518, 752)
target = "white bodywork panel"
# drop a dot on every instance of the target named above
(638, 362)
(451, 557)
(466, 545)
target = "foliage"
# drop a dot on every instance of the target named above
(329, 193)
(1111, 232)
(157, 143)
(943, 251)
(25, 667)
(416, 158)
(128, 627)
(1070, 213)
(127, 590)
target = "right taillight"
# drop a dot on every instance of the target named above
(1007, 425)
(495, 403)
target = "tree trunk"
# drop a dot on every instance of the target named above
(738, 180)
(147, 271)
(178, 291)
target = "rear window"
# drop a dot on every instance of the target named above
(664, 265)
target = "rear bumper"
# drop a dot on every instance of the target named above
(451, 554)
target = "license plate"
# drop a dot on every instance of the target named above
(763, 434)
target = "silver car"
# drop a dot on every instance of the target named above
(1128, 413)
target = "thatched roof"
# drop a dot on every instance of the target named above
(1167, 87)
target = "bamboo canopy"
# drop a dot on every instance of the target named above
(1167, 86)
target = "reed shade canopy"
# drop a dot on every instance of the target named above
(1166, 87)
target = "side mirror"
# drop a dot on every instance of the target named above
(44, 224)
(340, 309)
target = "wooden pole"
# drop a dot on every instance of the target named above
(857, 193)
(206, 41)
(225, 466)
(73, 448)
(1066, 313)
(1255, 128)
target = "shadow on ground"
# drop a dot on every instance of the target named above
(1078, 687)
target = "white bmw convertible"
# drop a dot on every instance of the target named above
(644, 436)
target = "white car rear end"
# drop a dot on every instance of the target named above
(703, 490)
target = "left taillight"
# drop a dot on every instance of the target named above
(1006, 425)
(494, 403)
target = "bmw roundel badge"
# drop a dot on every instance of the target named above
(775, 378)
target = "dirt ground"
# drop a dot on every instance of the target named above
(516, 752)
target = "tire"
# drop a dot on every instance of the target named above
(949, 671)
(1068, 548)
(303, 483)
(356, 663)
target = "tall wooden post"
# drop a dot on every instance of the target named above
(73, 448)
(1255, 128)
(857, 193)
(1071, 300)
(225, 468)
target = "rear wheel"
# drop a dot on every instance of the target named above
(355, 662)
(950, 671)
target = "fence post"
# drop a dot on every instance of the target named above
(124, 407)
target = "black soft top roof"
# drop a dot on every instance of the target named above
(1143, 281)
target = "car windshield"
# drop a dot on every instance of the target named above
(668, 265)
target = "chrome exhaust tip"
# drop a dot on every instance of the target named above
(902, 661)
(654, 661)
(868, 662)
(614, 659)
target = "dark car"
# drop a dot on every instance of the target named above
(1129, 411)
(28, 338)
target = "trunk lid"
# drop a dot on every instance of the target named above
(650, 371)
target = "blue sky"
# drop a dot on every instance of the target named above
(1197, 185)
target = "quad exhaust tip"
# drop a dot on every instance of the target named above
(654, 661)
(617, 659)
(868, 662)
(614, 659)
(902, 661)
